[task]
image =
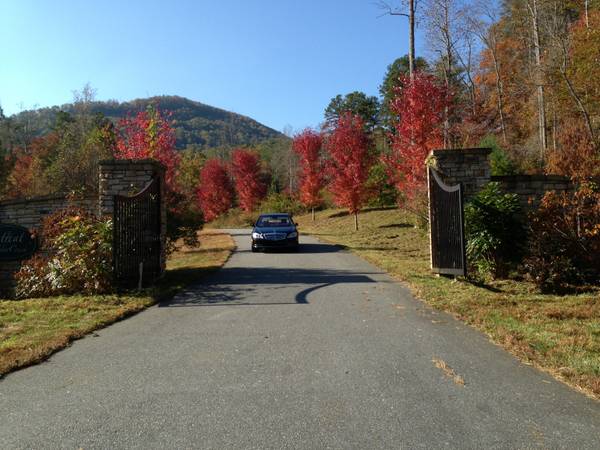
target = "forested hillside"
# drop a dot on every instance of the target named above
(195, 124)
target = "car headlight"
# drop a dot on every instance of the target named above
(256, 235)
(293, 234)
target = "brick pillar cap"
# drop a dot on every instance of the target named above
(132, 162)
(465, 151)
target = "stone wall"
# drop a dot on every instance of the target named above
(30, 212)
(118, 177)
(531, 188)
(7, 271)
(471, 167)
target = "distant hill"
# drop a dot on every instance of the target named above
(195, 123)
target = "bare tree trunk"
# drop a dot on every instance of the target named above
(411, 26)
(411, 29)
(467, 66)
(573, 92)
(584, 112)
(554, 127)
(313, 214)
(356, 221)
(533, 9)
(447, 40)
(500, 94)
(587, 16)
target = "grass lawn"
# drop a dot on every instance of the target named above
(33, 329)
(560, 334)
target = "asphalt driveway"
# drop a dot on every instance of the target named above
(311, 350)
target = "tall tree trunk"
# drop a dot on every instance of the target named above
(448, 69)
(533, 9)
(573, 92)
(580, 105)
(313, 214)
(500, 94)
(356, 221)
(554, 127)
(587, 15)
(411, 50)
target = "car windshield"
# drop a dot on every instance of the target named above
(273, 221)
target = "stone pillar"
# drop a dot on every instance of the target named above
(128, 177)
(469, 166)
(124, 177)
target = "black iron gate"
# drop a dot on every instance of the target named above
(136, 237)
(446, 221)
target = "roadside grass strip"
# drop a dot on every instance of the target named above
(557, 333)
(33, 329)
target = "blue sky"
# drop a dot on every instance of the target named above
(279, 62)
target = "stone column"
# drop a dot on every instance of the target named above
(469, 166)
(128, 177)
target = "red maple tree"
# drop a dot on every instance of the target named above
(307, 146)
(250, 189)
(349, 163)
(420, 105)
(148, 135)
(215, 190)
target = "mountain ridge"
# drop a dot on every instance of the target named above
(196, 124)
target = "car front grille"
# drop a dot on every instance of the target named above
(275, 236)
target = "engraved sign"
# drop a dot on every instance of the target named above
(16, 242)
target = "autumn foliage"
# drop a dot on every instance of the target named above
(148, 135)
(578, 157)
(27, 176)
(564, 244)
(420, 105)
(215, 192)
(350, 160)
(307, 145)
(250, 189)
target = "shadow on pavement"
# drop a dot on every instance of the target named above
(304, 248)
(249, 285)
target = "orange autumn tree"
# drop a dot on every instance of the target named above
(28, 175)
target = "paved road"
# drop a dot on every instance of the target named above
(311, 350)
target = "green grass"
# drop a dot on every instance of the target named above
(33, 329)
(558, 333)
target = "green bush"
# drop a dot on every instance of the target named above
(500, 163)
(76, 257)
(494, 234)
(383, 192)
(564, 244)
(281, 202)
(234, 218)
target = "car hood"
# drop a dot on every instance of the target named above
(274, 229)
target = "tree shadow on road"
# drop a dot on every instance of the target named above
(308, 248)
(255, 286)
